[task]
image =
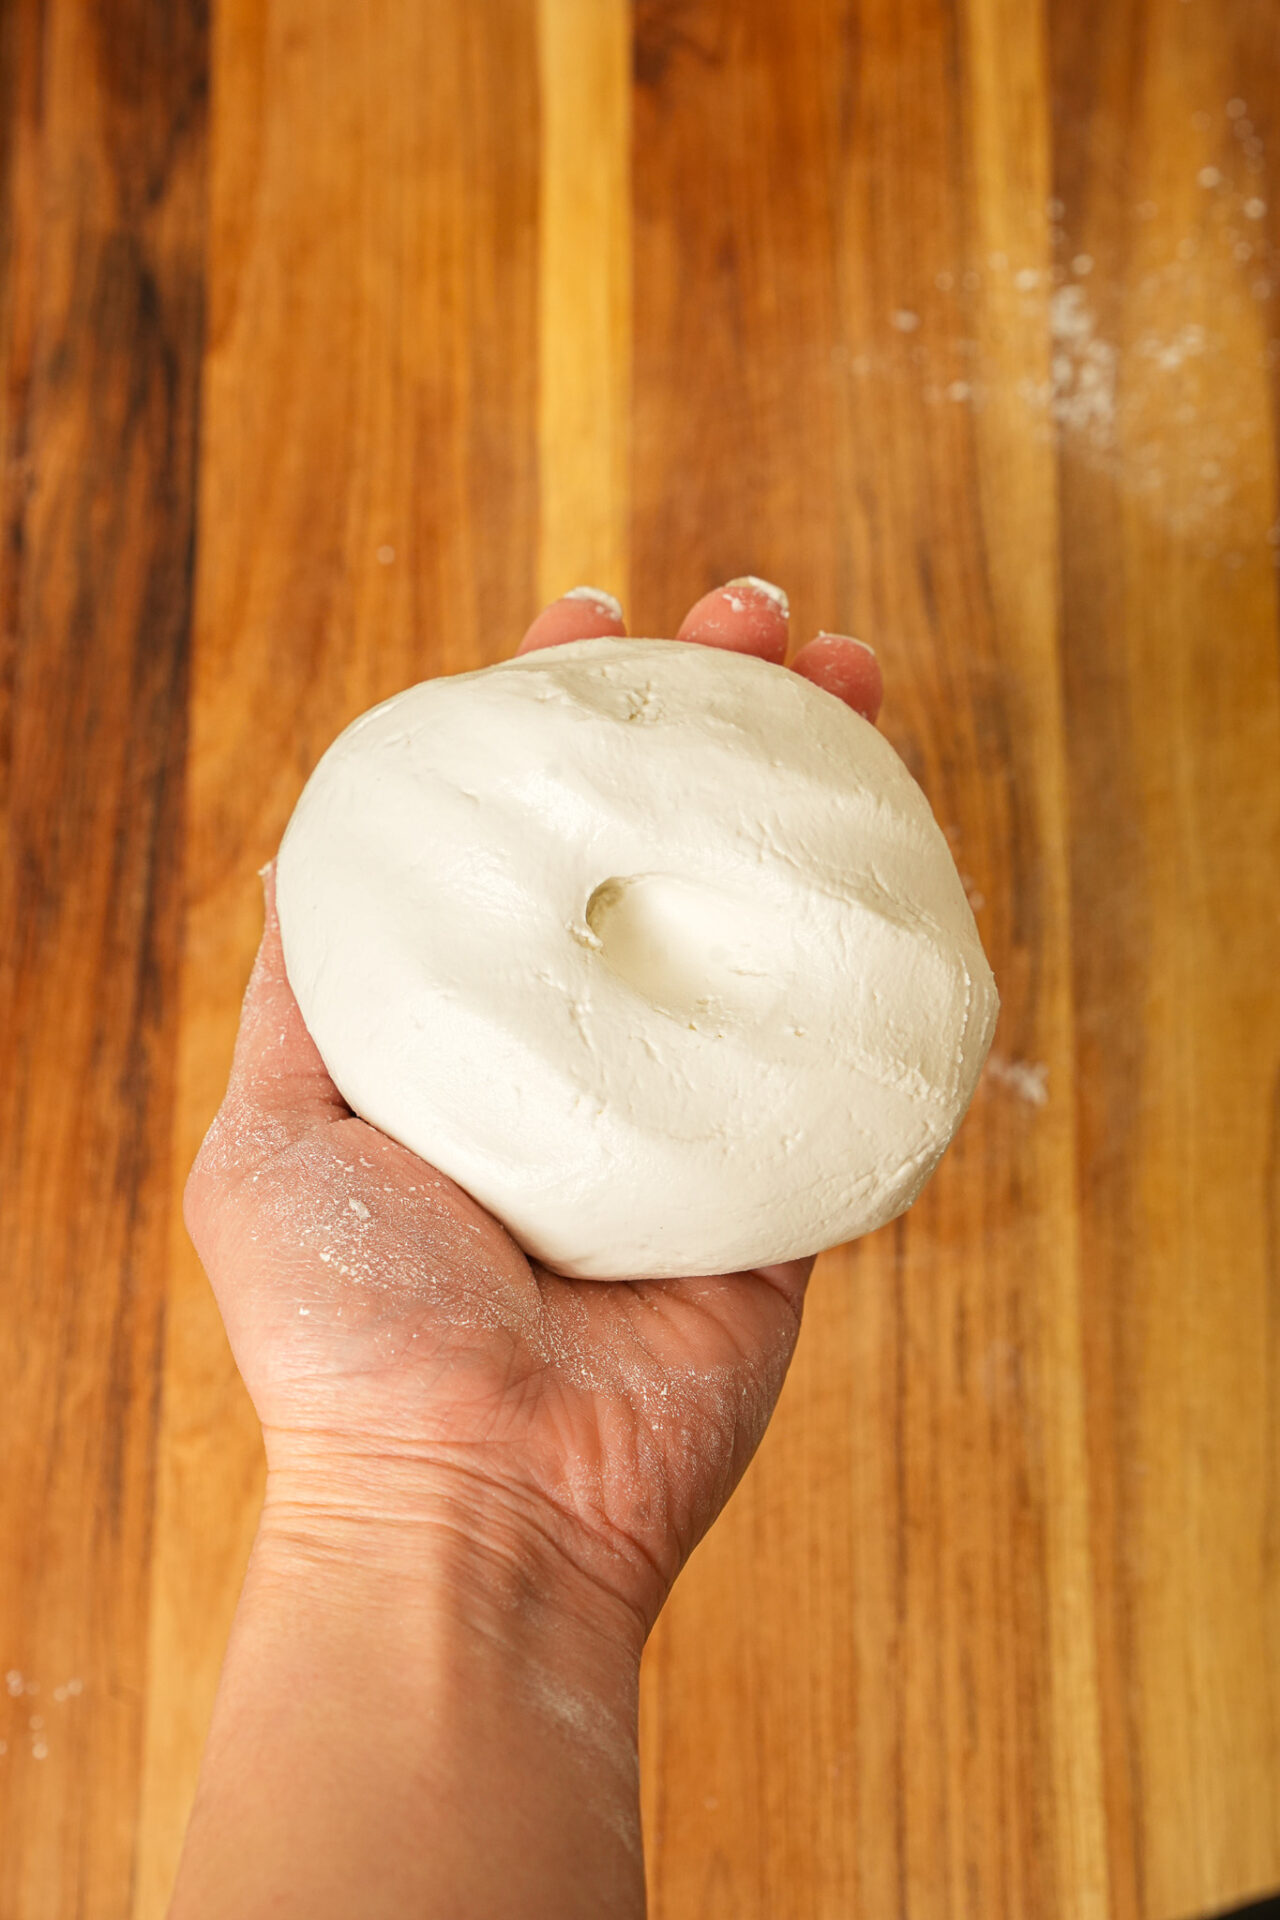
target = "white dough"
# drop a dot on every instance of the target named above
(656, 949)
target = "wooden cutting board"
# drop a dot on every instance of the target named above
(339, 338)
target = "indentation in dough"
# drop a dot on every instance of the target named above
(694, 951)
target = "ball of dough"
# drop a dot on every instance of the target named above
(656, 949)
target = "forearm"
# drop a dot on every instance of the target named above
(414, 1719)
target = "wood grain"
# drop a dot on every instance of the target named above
(950, 1603)
(962, 320)
(1169, 652)
(368, 519)
(584, 296)
(102, 326)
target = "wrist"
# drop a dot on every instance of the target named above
(445, 1711)
(355, 1517)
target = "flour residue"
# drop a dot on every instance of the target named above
(1154, 403)
(33, 1726)
(1029, 1079)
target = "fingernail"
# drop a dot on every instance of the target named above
(599, 596)
(767, 588)
(851, 638)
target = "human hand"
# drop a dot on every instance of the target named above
(403, 1354)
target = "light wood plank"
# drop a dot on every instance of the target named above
(584, 295)
(369, 518)
(1169, 652)
(934, 1704)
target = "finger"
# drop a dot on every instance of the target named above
(790, 1278)
(846, 667)
(277, 1067)
(747, 615)
(585, 613)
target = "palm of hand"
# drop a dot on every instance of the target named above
(375, 1309)
(373, 1305)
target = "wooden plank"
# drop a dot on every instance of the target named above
(1173, 730)
(846, 421)
(368, 488)
(102, 322)
(584, 295)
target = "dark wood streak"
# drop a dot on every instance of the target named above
(664, 29)
(1094, 56)
(19, 109)
(104, 302)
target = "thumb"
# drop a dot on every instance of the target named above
(278, 1092)
(277, 1066)
(790, 1279)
